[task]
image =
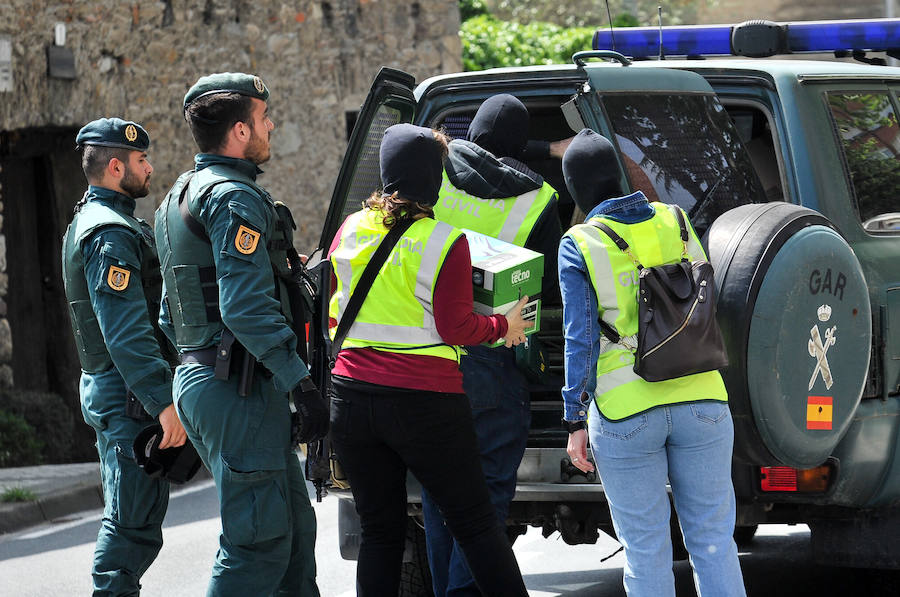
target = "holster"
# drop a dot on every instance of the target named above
(134, 409)
(228, 357)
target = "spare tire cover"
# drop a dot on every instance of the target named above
(794, 310)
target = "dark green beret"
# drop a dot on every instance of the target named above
(249, 85)
(114, 132)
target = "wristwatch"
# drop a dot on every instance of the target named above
(573, 426)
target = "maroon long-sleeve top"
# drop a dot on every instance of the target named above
(456, 324)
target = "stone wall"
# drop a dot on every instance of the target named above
(137, 59)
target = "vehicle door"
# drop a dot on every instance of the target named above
(390, 101)
(675, 140)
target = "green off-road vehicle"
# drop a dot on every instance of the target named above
(789, 171)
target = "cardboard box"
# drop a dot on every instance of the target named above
(502, 273)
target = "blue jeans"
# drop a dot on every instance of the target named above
(498, 395)
(690, 445)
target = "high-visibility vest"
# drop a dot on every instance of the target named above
(398, 313)
(620, 392)
(510, 219)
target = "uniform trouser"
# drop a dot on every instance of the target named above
(268, 524)
(130, 534)
(498, 394)
(380, 433)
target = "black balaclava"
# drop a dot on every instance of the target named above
(411, 163)
(500, 126)
(591, 170)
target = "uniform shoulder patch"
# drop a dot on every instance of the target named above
(246, 239)
(117, 278)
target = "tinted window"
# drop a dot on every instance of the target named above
(683, 149)
(867, 126)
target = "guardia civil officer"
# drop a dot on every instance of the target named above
(112, 282)
(514, 203)
(642, 434)
(223, 247)
(399, 403)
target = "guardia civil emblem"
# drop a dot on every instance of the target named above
(819, 349)
(131, 133)
(257, 82)
(117, 278)
(246, 240)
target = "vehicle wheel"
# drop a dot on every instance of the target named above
(794, 310)
(415, 576)
(744, 535)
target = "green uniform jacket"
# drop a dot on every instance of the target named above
(108, 259)
(229, 282)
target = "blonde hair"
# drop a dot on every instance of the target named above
(394, 207)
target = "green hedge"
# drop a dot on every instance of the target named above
(488, 43)
(19, 444)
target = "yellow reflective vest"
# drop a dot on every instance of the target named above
(398, 314)
(620, 392)
(511, 219)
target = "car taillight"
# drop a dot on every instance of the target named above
(785, 478)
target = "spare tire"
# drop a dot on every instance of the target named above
(794, 309)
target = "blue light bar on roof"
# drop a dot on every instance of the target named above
(752, 38)
(687, 40)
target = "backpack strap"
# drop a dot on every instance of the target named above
(683, 226)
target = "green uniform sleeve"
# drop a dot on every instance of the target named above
(239, 224)
(112, 258)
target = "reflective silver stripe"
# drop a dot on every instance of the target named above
(427, 273)
(603, 274)
(614, 379)
(394, 334)
(517, 215)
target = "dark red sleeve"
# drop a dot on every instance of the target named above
(453, 316)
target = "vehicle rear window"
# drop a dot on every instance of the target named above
(866, 124)
(683, 149)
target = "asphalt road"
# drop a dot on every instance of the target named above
(55, 559)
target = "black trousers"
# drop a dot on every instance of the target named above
(381, 432)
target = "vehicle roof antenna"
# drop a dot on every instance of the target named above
(662, 55)
(611, 32)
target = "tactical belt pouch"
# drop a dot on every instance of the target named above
(677, 330)
(134, 409)
(228, 357)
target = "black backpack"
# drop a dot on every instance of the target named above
(677, 330)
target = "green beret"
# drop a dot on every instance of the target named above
(114, 132)
(249, 85)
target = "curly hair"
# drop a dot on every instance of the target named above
(397, 209)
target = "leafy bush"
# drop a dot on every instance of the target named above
(488, 43)
(51, 421)
(19, 444)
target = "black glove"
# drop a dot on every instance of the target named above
(310, 422)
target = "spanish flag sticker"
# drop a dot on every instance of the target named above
(117, 278)
(819, 412)
(246, 240)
